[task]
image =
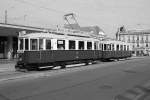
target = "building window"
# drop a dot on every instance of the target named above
(60, 44)
(142, 40)
(89, 45)
(71, 44)
(133, 40)
(133, 46)
(137, 44)
(137, 38)
(146, 39)
(146, 44)
(81, 45)
(34, 44)
(128, 39)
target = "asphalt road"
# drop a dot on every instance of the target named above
(94, 82)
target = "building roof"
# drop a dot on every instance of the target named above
(94, 29)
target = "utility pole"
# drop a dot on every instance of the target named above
(6, 16)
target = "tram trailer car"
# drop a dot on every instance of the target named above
(115, 50)
(55, 49)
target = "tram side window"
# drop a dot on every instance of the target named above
(48, 44)
(105, 47)
(41, 44)
(110, 47)
(124, 47)
(96, 45)
(33, 44)
(81, 45)
(21, 44)
(127, 48)
(26, 44)
(60, 44)
(113, 47)
(89, 45)
(117, 47)
(121, 47)
(100, 46)
(71, 45)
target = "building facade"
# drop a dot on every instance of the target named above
(9, 39)
(139, 39)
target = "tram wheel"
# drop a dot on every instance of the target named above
(63, 66)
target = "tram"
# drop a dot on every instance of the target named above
(57, 48)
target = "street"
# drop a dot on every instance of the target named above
(93, 82)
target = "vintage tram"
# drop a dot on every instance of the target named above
(57, 48)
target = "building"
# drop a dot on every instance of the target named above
(139, 39)
(9, 38)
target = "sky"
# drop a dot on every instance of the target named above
(107, 14)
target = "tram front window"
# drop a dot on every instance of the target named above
(34, 44)
(21, 44)
(26, 44)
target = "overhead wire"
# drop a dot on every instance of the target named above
(54, 10)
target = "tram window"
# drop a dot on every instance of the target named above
(41, 44)
(89, 45)
(113, 47)
(121, 47)
(26, 44)
(117, 47)
(60, 44)
(127, 48)
(34, 44)
(110, 48)
(100, 46)
(105, 47)
(48, 44)
(71, 44)
(21, 44)
(81, 45)
(124, 47)
(96, 45)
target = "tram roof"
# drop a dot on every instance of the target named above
(57, 36)
(114, 42)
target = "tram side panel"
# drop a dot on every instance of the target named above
(50, 56)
